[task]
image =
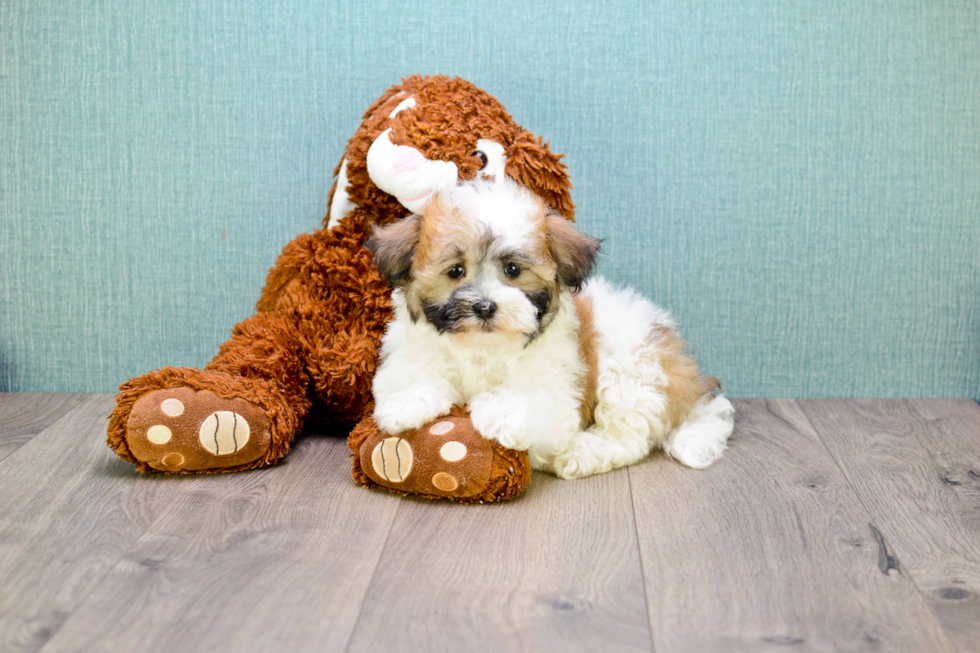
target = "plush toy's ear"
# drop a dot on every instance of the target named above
(574, 253)
(393, 247)
(533, 165)
(338, 200)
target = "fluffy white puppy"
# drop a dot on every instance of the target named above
(492, 311)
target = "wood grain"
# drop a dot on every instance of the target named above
(916, 466)
(556, 570)
(270, 560)
(69, 508)
(25, 414)
(770, 549)
(829, 525)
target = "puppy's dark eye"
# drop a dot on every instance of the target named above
(512, 270)
(482, 157)
(457, 271)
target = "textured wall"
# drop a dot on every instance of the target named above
(798, 182)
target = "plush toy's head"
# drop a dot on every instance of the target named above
(428, 134)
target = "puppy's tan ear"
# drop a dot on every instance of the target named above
(393, 247)
(574, 253)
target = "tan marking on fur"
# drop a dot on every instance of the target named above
(684, 386)
(709, 384)
(428, 281)
(587, 337)
(540, 219)
(443, 227)
(431, 215)
(544, 266)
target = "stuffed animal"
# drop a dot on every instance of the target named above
(311, 349)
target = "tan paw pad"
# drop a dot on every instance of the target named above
(224, 432)
(445, 482)
(159, 434)
(453, 451)
(392, 459)
(173, 460)
(172, 407)
(441, 428)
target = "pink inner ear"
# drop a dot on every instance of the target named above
(407, 159)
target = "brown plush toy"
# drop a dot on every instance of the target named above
(311, 349)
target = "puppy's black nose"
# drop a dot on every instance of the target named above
(485, 309)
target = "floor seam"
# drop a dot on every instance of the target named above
(639, 555)
(374, 574)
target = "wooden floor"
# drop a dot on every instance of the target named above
(829, 525)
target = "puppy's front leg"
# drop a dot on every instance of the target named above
(502, 416)
(524, 419)
(410, 408)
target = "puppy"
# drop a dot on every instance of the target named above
(494, 310)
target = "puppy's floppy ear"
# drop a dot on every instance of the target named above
(393, 247)
(573, 252)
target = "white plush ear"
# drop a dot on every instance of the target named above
(405, 173)
(341, 205)
(407, 103)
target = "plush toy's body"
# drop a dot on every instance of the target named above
(312, 347)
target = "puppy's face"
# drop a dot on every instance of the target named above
(485, 258)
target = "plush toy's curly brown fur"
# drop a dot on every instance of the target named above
(313, 344)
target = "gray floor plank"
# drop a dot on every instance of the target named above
(556, 570)
(769, 549)
(25, 414)
(69, 509)
(271, 560)
(775, 547)
(916, 465)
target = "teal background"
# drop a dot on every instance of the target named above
(799, 182)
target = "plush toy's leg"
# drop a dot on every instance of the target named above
(446, 459)
(241, 412)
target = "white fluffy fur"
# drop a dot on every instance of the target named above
(527, 396)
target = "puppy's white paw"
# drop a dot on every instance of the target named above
(578, 463)
(502, 418)
(568, 466)
(411, 408)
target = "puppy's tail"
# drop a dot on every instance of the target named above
(709, 385)
(702, 438)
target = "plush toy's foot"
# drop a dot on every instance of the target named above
(187, 421)
(180, 429)
(446, 459)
